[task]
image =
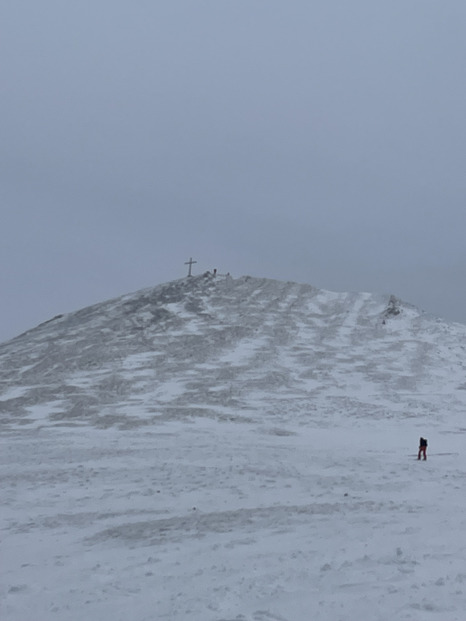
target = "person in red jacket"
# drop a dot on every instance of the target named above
(422, 448)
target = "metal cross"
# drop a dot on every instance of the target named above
(190, 263)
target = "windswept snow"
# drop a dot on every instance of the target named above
(219, 449)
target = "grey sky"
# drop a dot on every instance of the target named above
(322, 142)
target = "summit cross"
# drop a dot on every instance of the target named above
(190, 263)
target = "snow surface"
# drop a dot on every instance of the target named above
(219, 449)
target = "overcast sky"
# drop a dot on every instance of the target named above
(315, 141)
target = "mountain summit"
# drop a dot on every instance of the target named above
(215, 346)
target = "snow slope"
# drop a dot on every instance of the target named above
(222, 449)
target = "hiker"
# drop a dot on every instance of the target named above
(422, 448)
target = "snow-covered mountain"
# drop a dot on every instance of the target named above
(222, 348)
(215, 449)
